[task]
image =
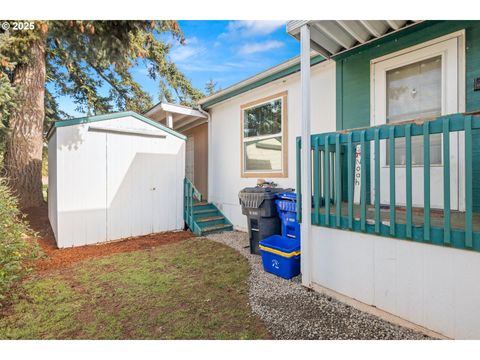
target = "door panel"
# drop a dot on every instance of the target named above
(129, 185)
(418, 84)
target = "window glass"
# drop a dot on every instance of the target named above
(265, 119)
(263, 136)
(414, 92)
(264, 155)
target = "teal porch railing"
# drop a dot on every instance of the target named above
(190, 195)
(333, 162)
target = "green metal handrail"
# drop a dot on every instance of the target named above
(190, 192)
(342, 144)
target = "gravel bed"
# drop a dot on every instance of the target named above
(290, 311)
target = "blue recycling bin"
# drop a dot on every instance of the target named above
(287, 209)
(281, 256)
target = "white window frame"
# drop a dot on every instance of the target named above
(283, 172)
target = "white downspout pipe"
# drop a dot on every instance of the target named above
(306, 158)
(209, 151)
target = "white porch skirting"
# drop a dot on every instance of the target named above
(433, 286)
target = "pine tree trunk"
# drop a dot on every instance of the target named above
(23, 157)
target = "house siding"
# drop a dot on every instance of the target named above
(353, 76)
(225, 141)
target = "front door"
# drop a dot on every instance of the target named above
(416, 85)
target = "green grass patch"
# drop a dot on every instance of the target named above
(195, 289)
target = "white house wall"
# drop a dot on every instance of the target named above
(226, 127)
(113, 186)
(433, 286)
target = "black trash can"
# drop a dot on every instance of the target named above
(258, 204)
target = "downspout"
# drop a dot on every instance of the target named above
(209, 152)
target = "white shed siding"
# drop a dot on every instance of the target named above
(225, 137)
(105, 181)
(52, 183)
(433, 286)
(81, 181)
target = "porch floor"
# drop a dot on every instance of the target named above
(436, 216)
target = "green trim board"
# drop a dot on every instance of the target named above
(458, 239)
(117, 115)
(265, 80)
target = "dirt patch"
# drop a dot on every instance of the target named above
(57, 258)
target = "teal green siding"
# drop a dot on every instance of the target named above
(353, 76)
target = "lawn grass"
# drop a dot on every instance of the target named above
(194, 289)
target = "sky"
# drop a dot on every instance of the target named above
(225, 51)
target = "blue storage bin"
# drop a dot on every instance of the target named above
(287, 210)
(281, 256)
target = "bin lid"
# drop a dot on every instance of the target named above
(281, 243)
(287, 195)
(253, 197)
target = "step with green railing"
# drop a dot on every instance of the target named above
(202, 217)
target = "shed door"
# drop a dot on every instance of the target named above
(129, 205)
(141, 186)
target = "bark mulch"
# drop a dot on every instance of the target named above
(58, 258)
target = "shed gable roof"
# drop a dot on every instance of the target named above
(96, 118)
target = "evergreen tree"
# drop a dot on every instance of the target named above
(211, 87)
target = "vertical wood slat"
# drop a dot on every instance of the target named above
(338, 182)
(316, 181)
(446, 181)
(350, 180)
(408, 182)
(184, 200)
(363, 183)
(392, 179)
(187, 199)
(426, 181)
(377, 181)
(299, 181)
(326, 181)
(468, 183)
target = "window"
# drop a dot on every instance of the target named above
(264, 136)
(414, 92)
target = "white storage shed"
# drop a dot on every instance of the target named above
(114, 176)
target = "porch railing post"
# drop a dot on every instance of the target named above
(377, 181)
(468, 183)
(316, 181)
(363, 182)
(306, 158)
(446, 181)
(338, 182)
(326, 180)
(426, 181)
(350, 179)
(408, 182)
(392, 179)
